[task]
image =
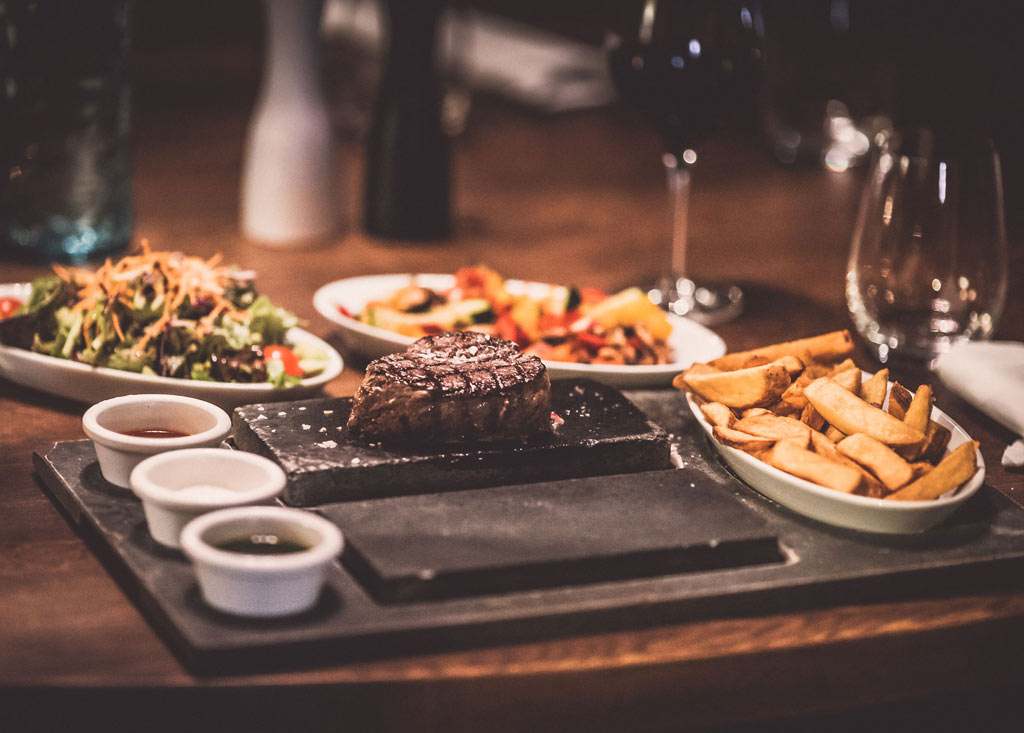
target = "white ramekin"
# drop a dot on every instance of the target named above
(178, 486)
(118, 454)
(261, 585)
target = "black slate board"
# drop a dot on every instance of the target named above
(493, 541)
(981, 544)
(604, 433)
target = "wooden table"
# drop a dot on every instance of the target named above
(576, 198)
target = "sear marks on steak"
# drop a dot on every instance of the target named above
(455, 387)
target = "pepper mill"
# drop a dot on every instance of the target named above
(290, 179)
(407, 169)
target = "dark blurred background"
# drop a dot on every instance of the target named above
(952, 65)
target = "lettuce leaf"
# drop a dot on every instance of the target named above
(270, 322)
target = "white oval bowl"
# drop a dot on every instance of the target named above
(689, 340)
(85, 383)
(261, 585)
(177, 487)
(118, 454)
(846, 510)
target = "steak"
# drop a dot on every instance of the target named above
(455, 387)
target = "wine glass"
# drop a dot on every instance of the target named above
(688, 65)
(928, 258)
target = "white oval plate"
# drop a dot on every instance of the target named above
(690, 342)
(845, 510)
(85, 383)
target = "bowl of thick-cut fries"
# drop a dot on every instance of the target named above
(803, 425)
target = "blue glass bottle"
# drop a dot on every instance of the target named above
(65, 129)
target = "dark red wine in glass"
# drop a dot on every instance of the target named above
(688, 66)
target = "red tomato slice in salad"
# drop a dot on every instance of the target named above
(7, 306)
(288, 359)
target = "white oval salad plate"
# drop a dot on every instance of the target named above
(86, 383)
(846, 510)
(690, 342)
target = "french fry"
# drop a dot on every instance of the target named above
(815, 371)
(899, 400)
(791, 364)
(824, 446)
(844, 365)
(952, 471)
(917, 415)
(921, 468)
(794, 394)
(833, 433)
(874, 388)
(701, 368)
(788, 456)
(849, 379)
(741, 440)
(718, 414)
(754, 387)
(785, 409)
(881, 460)
(755, 411)
(870, 485)
(936, 438)
(850, 414)
(812, 418)
(826, 347)
(791, 407)
(775, 427)
(761, 454)
(920, 409)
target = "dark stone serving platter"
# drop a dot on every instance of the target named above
(604, 433)
(446, 570)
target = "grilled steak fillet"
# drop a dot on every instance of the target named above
(451, 388)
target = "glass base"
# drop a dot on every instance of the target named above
(915, 352)
(705, 303)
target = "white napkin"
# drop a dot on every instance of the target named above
(990, 375)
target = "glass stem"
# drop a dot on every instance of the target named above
(678, 176)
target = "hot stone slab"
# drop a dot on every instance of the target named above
(604, 433)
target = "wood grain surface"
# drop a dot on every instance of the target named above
(577, 198)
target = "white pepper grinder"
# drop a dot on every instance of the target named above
(289, 192)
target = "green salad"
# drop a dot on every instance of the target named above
(164, 314)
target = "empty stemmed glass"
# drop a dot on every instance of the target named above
(928, 259)
(687, 65)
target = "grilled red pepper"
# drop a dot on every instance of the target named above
(590, 340)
